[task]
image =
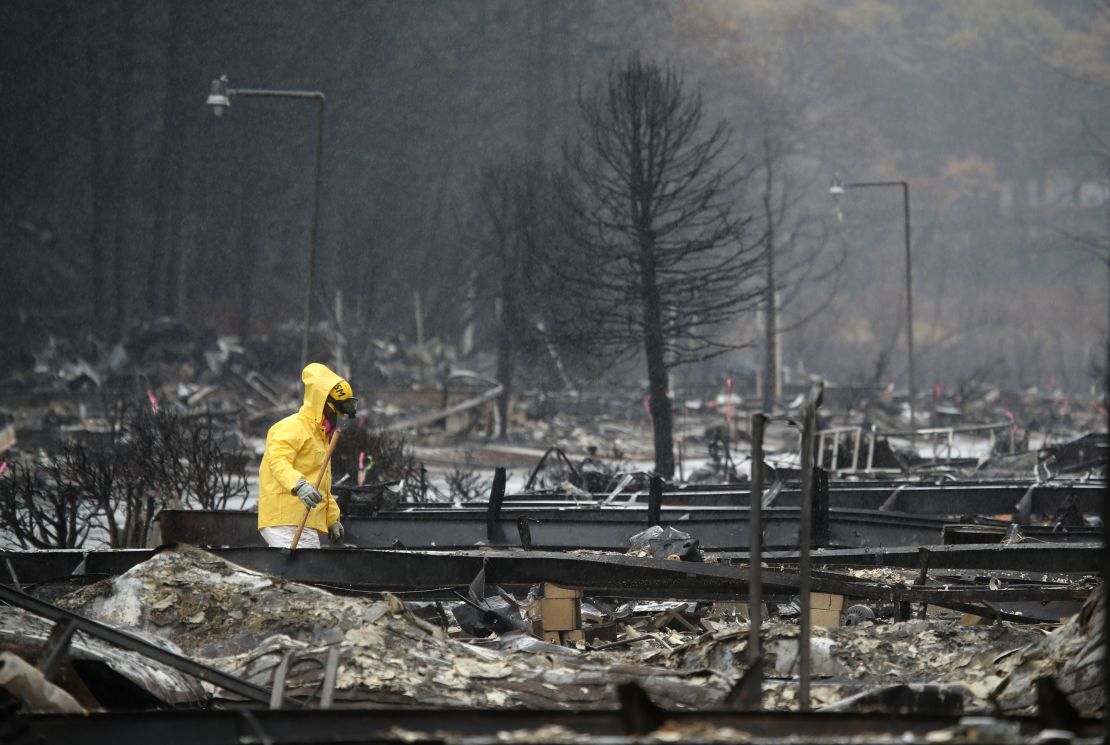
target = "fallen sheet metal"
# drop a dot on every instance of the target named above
(66, 626)
(135, 679)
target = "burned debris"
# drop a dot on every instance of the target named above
(620, 372)
(568, 579)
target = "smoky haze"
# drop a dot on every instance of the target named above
(123, 199)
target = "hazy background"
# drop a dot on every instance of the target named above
(122, 198)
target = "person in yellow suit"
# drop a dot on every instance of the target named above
(295, 451)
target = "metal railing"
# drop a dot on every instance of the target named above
(943, 442)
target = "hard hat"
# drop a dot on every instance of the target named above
(342, 398)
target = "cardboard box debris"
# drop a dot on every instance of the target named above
(560, 614)
(970, 619)
(554, 592)
(825, 609)
(826, 601)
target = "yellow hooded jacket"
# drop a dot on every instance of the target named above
(295, 449)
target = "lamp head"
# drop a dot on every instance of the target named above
(217, 96)
(836, 189)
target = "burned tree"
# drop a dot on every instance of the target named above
(658, 260)
(511, 230)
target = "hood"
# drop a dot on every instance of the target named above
(318, 383)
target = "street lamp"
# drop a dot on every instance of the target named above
(219, 98)
(837, 190)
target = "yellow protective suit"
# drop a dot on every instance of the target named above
(295, 450)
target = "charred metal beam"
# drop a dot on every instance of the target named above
(655, 500)
(284, 727)
(57, 647)
(820, 524)
(718, 529)
(1042, 562)
(1039, 559)
(496, 495)
(441, 574)
(919, 498)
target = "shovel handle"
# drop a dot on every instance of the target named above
(319, 480)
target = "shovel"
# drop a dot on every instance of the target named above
(319, 479)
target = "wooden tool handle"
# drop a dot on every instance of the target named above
(319, 480)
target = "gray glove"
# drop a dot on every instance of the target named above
(308, 494)
(335, 532)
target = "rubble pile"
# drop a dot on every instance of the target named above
(254, 625)
(1072, 655)
(582, 511)
(244, 622)
(848, 660)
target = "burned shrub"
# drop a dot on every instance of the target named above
(36, 512)
(188, 458)
(383, 455)
(111, 488)
(465, 484)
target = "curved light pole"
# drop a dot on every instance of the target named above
(220, 100)
(837, 190)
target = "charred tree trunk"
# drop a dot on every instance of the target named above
(659, 403)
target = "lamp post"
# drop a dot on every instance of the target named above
(837, 190)
(220, 100)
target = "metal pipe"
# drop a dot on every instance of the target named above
(909, 297)
(855, 449)
(221, 102)
(755, 541)
(310, 282)
(805, 530)
(905, 186)
(871, 449)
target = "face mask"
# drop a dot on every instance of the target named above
(346, 407)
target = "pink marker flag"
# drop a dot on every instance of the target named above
(153, 400)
